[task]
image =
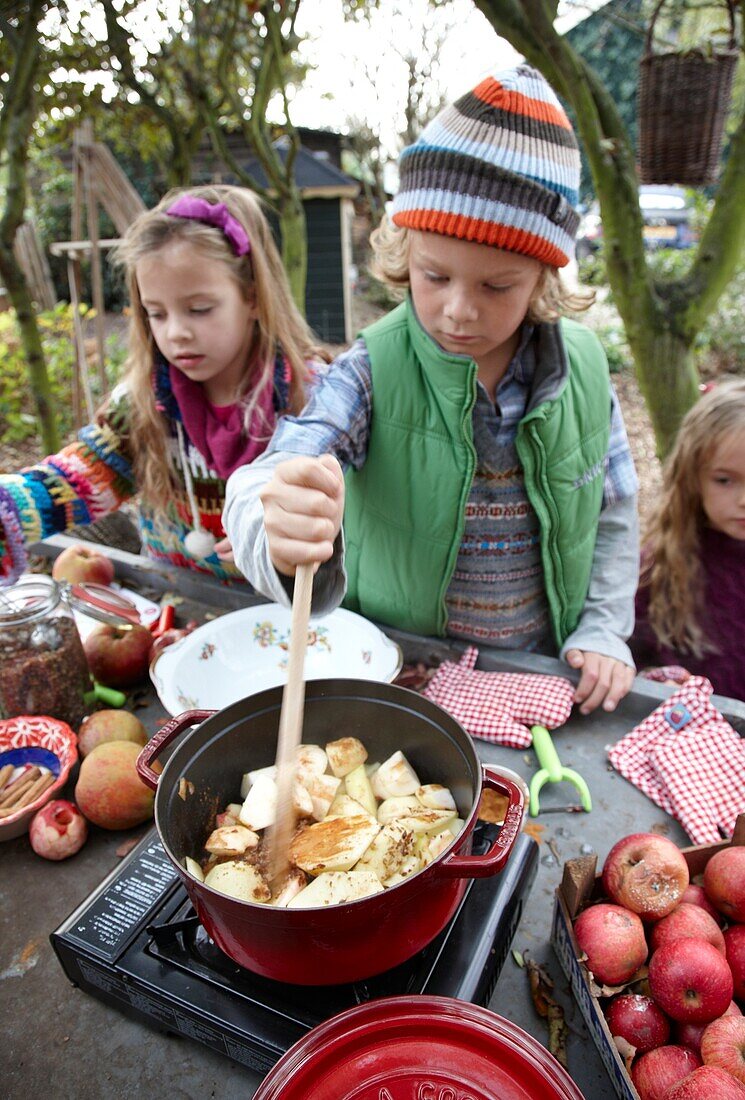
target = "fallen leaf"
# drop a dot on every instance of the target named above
(517, 956)
(534, 830)
(126, 846)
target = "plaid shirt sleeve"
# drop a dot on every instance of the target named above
(620, 476)
(336, 419)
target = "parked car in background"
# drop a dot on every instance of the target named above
(667, 221)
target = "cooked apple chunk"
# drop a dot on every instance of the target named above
(345, 755)
(344, 806)
(321, 789)
(335, 888)
(358, 786)
(194, 869)
(433, 796)
(434, 845)
(334, 844)
(292, 884)
(392, 808)
(311, 758)
(231, 840)
(427, 821)
(238, 880)
(395, 777)
(389, 849)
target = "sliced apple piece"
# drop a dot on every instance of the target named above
(250, 778)
(231, 840)
(409, 867)
(239, 880)
(194, 869)
(336, 888)
(322, 790)
(260, 807)
(311, 758)
(345, 755)
(395, 777)
(433, 796)
(427, 821)
(358, 787)
(388, 851)
(392, 808)
(435, 845)
(344, 806)
(334, 844)
(292, 884)
(456, 825)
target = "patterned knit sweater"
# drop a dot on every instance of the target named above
(723, 563)
(93, 476)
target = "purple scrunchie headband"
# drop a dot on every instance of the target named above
(216, 214)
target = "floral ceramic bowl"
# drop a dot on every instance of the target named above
(246, 651)
(34, 741)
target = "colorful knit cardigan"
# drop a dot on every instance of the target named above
(93, 476)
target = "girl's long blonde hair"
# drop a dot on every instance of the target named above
(551, 299)
(671, 567)
(259, 273)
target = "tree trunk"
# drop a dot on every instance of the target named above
(662, 319)
(668, 378)
(294, 245)
(18, 114)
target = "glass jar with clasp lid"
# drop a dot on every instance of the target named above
(43, 668)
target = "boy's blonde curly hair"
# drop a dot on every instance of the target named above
(551, 299)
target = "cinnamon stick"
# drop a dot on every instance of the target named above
(11, 794)
(36, 788)
(5, 773)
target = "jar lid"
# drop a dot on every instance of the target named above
(101, 602)
(418, 1046)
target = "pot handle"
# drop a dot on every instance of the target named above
(455, 866)
(162, 738)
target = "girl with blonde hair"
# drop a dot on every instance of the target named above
(691, 599)
(218, 352)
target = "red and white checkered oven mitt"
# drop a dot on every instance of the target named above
(500, 706)
(689, 760)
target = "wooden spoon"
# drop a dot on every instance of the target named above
(290, 726)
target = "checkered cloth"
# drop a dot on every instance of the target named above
(688, 759)
(500, 706)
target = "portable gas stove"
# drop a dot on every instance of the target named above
(136, 943)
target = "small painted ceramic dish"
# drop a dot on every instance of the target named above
(35, 741)
(246, 651)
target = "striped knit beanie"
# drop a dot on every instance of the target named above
(499, 167)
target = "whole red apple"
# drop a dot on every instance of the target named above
(723, 1045)
(109, 791)
(83, 563)
(734, 945)
(724, 881)
(118, 656)
(110, 725)
(613, 940)
(658, 1070)
(645, 873)
(696, 895)
(686, 922)
(58, 830)
(689, 1035)
(707, 1083)
(638, 1020)
(690, 980)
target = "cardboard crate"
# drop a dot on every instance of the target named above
(580, 885)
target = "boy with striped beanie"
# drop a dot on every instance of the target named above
(469, 440)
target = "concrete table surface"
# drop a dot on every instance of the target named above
(60, 1042)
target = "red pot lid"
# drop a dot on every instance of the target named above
(418, 1048)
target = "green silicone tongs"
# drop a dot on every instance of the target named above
(552, 771)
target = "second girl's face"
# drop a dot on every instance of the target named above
(198, 316)
(723, 487)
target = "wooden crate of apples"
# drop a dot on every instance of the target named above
(654, 948)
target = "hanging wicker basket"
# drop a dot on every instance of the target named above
(682, 106)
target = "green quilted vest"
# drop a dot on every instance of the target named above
(404, 511)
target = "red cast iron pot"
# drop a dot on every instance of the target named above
(339, 943)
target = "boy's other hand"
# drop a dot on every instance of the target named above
(224, 550)
(604, 680)
(303, 509)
